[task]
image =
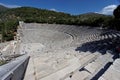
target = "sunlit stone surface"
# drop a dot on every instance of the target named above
(64, 52)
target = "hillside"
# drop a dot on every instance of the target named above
(9, 19)
(2, 8)
(29, 14)
(93, 19)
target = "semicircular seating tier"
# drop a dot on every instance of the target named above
(64, 52)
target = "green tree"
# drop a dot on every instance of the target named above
(116, 12)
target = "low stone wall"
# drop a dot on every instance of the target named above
(14, 70)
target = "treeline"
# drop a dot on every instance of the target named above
(9, 19)
(28, 14)
(8, 30)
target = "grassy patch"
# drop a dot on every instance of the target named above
(2, 62)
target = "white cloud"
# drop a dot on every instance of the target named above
(53, 9)
(10, 6)
(108, 10)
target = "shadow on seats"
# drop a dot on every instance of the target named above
(100, 46)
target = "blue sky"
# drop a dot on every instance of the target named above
(67, 6)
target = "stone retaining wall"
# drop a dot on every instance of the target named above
(14, 70)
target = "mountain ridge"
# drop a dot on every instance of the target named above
(3, 8)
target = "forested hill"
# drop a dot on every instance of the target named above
(29, 14)
(9, 19)
(2, 8)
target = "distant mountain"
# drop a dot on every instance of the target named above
(31, 14)
(93, 19)
(3, 8)
(92, 15)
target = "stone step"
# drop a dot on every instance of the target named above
(113, 72)
(75, 65)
